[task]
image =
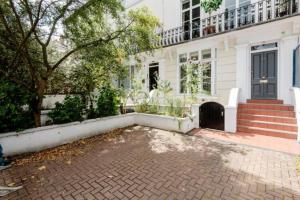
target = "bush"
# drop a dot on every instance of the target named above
(107, 103)
(69, 111)
(13, 101)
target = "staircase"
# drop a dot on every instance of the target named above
(267, 117)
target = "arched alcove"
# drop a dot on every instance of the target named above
(211, 116)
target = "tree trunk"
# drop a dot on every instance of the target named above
(37, 118)
(38, 101)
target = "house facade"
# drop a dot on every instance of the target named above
(245, 44)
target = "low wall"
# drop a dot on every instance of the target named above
(37, 139)
(181, 125)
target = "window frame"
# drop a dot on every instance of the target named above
(190, 9)
(212, 61)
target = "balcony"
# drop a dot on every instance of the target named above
(245, 16)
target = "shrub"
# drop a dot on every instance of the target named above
(108, 102)
(69, 111)
(13, 101)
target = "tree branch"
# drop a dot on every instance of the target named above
(92, 43)
(61, 15)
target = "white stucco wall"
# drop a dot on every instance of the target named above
(233, 63)
(225, 71)
(163, 9)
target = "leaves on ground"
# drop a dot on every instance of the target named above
(42, 167)
(65, 152)
(11, 184)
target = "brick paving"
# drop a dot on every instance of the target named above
(146, 163)
(290, 146)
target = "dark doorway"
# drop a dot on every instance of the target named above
(211, 116)
(264, 75)
(153, 74)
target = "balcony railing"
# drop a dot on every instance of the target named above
(261, 11)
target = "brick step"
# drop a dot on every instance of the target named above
(265, 101)
(268, 132)
(266, 112)
(278, 119)
(268, 125)
(267, 106)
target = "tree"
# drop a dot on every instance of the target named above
(87, 28)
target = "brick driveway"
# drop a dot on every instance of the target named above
(148, 163)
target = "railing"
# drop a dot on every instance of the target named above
(261, 11)
(296, 68)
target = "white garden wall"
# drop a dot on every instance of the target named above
(36, 139)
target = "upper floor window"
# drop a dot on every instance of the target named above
(191, 18)
(195, 72)
(230, 4)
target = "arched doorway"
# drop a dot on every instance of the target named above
(211, 116)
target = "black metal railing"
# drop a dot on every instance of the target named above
(296, 67)
(255, 13)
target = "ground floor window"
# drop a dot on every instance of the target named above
(195, 72)
(126, 82)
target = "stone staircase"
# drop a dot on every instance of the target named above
(267, 117)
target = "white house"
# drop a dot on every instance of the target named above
(249, 46)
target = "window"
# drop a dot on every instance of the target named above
(191, 18)
(126, 82)
(195, 73)
(264, 46)
(183, 72)
(230, 4)
(206, 54)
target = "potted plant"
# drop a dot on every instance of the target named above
(210, 6)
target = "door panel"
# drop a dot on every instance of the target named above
(264, 75)
(257, 71)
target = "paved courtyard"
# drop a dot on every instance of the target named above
(145, 163)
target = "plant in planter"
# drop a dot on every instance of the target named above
(107, 103)
(69, 111)
(210, 6)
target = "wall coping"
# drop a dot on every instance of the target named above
(32, 130)
(44, 128)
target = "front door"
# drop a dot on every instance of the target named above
(153, 75)
(264, 75)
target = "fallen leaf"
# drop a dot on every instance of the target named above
(11, 184)
(42, 167)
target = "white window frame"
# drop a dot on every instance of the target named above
(213, 61)
(191, 7)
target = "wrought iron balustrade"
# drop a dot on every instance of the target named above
(261, 11)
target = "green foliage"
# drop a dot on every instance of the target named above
(69, 111)
(108, 102)
(210, 5)
(142, 107)
(95, 35)
(133, 32)
(13, 100)
(175, 108)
